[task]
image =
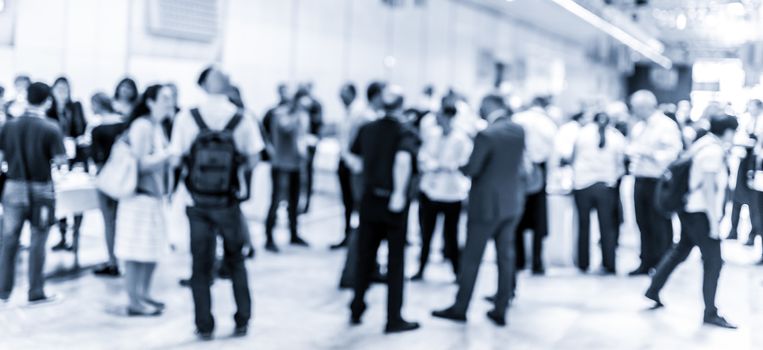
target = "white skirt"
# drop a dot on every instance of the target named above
(141, 230)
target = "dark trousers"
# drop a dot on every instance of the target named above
(205, 225)
(429, 210)
(283, 181)
(656, 229)
(534, 219)
(695, 231)
(345, 184)
(604, 200)
(376, 224)
(478, 234)
(17, 209)
(309, 177)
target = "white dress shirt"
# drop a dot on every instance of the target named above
(655, 144)
(710, 157)
(592, 164)
(540, 132)
(440, 158)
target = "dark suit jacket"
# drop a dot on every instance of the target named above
(495, 166)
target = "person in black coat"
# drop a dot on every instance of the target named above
(69, 115)
(496, 200)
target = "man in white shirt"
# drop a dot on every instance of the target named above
(444, 151)
(701, 217)
(655, 143)
(216, 111)
(540, 133)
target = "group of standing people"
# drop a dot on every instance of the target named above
(390, 156)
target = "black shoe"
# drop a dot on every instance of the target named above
(449, 314)
(641, 271)
(204, 336)
(750, 241)
(656, 299)
(224, 273)
(539, 271)
(401, 326)
(185, 282)
(271, 247)
(61, 245)
(298, 241)
(143, 313)
(240, 331)
(418, 277)
(606, 272)
(45, 299)
(250, 253)
(732, 236)
(718, 321)
(499, 320)
(107, 271)
(357, 313)
(490, 298)
(340, 245)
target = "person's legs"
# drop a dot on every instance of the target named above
(309, 170)
(63, 226)
(584, 202)
(203, 241)
(133, 272)
(370, 235)
(293, 208)
(14, 216)
(504, 246)
(427, 222)
(736, 211)
(275, 198)
(672, 259)
(345, 186)
(606, 206)
(233, 243)
(519, 240)
(452, 213)
(477, 237)
(146, 278)
(395, 268)
(711, 260)
(109, 213)
(642, 203)
(38, 241)
(663, 233)
(540, 231)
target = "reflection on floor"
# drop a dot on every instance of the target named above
(298, 305)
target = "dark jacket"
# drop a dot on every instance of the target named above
(73, 122)
(495, 169)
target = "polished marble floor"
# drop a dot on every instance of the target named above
(298, 305)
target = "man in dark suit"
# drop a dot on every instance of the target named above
(495, 205)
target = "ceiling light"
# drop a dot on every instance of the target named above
(681, 21)
(615, 32)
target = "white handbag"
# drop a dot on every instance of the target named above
(118, 178)
(755, 181)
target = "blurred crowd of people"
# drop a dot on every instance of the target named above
(498, 163)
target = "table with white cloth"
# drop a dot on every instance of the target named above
(75, 193)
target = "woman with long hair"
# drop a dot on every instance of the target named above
(141, 238)
(68, 114)
(125, 96)
(597, 163)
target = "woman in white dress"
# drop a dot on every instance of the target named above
(141, 238)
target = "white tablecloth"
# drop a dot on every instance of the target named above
(75, 193)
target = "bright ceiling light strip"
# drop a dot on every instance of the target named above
(615, 32)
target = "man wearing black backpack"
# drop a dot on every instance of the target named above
(218, 144)
(700, 211)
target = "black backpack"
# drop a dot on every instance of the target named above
(673, 186)
(213, 164)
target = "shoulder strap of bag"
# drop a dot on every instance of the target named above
(233, 123)
(199, 120)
